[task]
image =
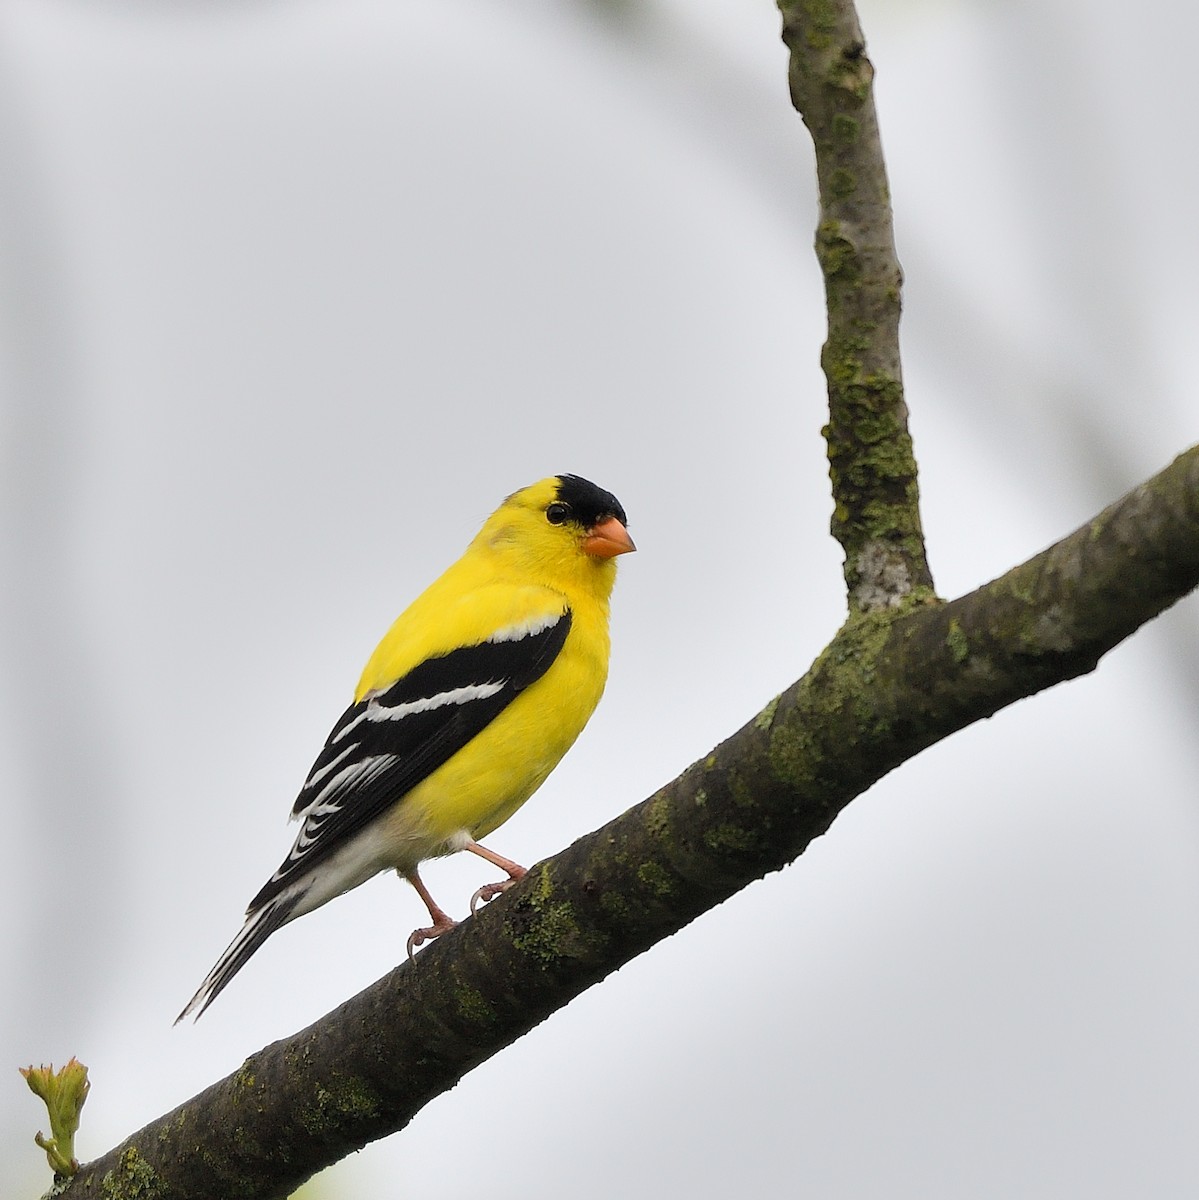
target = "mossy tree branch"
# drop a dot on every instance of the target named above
(888, 685)
(876, 513)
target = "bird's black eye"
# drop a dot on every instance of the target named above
(557, 513)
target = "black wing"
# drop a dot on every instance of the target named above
(387, 743)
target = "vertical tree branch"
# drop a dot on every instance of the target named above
(876, 517)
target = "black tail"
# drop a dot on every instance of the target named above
(259, 926)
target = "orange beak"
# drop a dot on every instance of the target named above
(607, 539)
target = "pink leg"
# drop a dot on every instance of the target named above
(489, 891)
(442, 922)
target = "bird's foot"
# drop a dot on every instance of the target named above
(489, 891)
(419, 937)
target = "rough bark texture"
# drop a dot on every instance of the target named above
(887, 686)
(876, 514)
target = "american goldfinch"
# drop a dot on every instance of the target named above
(466, 705)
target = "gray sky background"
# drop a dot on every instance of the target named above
(294, 293)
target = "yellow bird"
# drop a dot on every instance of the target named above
(467, 704)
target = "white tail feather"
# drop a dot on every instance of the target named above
(259, 926)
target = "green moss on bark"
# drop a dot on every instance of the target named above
(133, 1178)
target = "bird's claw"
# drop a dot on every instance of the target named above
(489, 891)
(418, 937)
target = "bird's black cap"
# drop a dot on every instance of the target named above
(589, 503)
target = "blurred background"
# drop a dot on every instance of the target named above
(291, 294)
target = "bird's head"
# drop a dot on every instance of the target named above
(564, 530)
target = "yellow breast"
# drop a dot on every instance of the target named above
(508, 761)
